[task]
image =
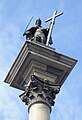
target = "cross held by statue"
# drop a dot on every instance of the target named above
(52, 19)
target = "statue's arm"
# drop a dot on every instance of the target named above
(30, 31)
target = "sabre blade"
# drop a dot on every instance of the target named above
(29, 23)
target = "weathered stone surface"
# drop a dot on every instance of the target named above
(42, 61)
(39, 91)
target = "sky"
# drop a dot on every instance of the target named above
(66, 35)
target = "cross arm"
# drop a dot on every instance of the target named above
(55, 16)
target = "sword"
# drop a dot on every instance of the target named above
(28, 24)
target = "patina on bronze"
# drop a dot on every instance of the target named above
(37, 33)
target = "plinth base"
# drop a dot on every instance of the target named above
(42, 61)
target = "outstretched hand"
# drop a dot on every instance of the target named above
(24, 34)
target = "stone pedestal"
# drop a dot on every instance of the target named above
(39, 71)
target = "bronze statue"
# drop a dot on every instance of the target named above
(37, 33)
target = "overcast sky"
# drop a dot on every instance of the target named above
(67, 39)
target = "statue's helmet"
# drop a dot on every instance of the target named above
(38, 22)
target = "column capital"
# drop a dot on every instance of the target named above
(38, 91)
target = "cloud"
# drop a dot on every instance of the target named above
(10, 42)
(9, 46)
(67, 106)
(10, 108)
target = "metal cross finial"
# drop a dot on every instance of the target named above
(52, 24)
